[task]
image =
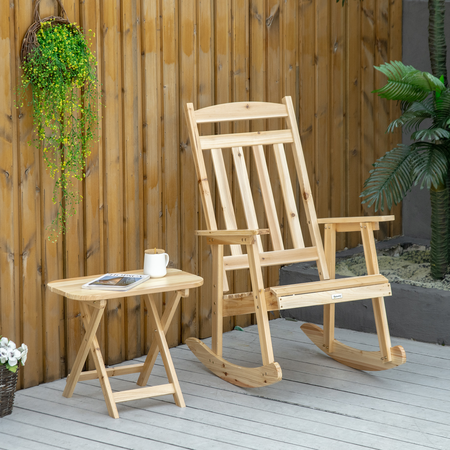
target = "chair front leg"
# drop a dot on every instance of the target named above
(262, 318)
(329, 310)
(379, 309)
(217, 299)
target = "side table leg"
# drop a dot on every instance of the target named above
(100, 366)
(165, 354)
(166, 320)
(91, 328)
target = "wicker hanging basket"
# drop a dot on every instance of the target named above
(8, 383)
(30, 42)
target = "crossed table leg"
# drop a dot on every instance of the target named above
(91, 320)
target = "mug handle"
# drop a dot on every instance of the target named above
(167, 258)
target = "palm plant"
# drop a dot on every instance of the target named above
(425, 101)
(427, 160)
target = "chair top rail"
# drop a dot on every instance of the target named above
(240, 111)
(246, 139)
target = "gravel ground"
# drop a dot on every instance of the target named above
(399, 264)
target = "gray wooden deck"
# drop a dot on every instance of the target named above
(319, 404)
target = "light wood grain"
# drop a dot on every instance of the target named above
(239, 111)
(352, 357)
(234, 374)
(328, 291)
(153, 57)
(365, 219)
(245, 139)
(174, 280)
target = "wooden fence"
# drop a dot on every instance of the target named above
(140, 186)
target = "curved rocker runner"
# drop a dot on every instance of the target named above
(327, 291)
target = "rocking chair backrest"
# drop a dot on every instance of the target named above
(256, 140)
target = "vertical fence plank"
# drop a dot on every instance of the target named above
(290, 80)
(322, 113)
(133, 170)
(31, 300)
(338, 171)
(353, 122)
(205, 97)
(188, 197)
(52, 265)
(274, 69)
(152, 140)
(240, 92)
(171, 146)
(9, 239)
(223, 67)
(73, 241)
(367, 86)
(93, 187)
(382, 106)
(113, 188)
(307, 68)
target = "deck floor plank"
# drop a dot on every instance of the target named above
(319, 404)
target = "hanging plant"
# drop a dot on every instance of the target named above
(61, 71)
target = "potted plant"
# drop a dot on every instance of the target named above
(10, 357)
(425, 101)
(61, 71)
(423, 96)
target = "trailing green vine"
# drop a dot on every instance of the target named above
(61, 71)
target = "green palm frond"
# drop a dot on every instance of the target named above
(430, 164)
(432, 134)
(406, 83)
(442, 110)
(410, 120)
(391, 178)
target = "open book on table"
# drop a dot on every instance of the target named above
(116, 281)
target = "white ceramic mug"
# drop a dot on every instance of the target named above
(155, 263)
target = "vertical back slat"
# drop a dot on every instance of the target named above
(225, 195)
(305, 190)
(292, 216)
(246, 191)
(268, 199)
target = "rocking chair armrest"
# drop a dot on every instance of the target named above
(363, 219)
(244, 237)
(344, 224)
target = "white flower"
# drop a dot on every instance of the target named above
(13, 356)
(4, 342)
(3, 355)
(24, 352)
(11, 345)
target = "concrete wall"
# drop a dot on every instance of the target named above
(416, 205)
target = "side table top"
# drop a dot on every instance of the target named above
(174, 280)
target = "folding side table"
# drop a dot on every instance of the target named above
(93, 304)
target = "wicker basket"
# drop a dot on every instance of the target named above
(30, 42)
(8, 382)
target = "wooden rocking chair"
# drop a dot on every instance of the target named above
(327, 291)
